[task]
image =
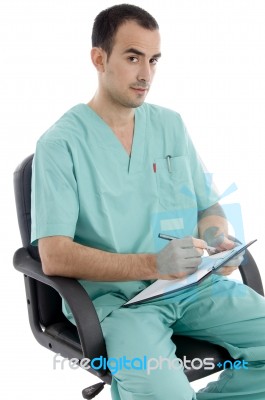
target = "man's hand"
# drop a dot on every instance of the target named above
(222, 243)
(181, 257)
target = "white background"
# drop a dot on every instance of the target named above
(211, 71)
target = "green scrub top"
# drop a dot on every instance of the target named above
(86, 186)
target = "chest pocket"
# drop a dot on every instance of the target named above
(174, 183)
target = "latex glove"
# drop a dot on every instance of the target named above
(180, 258)
(222, 243)
(232, 264)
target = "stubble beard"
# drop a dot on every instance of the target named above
(127, 101)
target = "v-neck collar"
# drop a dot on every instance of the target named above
(135, 161)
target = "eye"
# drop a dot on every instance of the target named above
(153, 61)
(133, 59)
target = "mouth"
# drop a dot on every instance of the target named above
(140, 90)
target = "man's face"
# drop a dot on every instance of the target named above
(131, 66)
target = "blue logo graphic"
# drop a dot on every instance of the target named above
(236, 364)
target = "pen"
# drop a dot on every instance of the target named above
(168, 158)
(168, 237)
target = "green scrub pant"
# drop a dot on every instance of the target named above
(218, 310)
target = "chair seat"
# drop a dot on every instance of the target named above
(191, 351)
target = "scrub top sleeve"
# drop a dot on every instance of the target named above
(54, 196)
(205, 189)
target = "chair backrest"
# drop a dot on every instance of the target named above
(49, 301)
(22, 188)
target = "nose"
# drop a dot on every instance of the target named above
(144, 73)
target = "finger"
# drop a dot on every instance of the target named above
(191, 271)
(184, 248)
(191, 263)
(211, 252)
(199, 243)
(236, 261)
(191, 253)
(190, 241)
(226, 271)
(226, 244)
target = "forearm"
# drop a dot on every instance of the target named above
(212, 222)
(63, 257)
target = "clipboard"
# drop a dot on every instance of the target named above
(209, 265)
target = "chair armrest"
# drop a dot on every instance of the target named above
(83, 310)
(250, 273)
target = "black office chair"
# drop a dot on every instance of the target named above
(85, 340)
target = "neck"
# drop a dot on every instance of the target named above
(117, 117)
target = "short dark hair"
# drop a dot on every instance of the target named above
(108, 21)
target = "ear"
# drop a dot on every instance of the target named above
(98, 58)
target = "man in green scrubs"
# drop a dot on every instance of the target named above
(108, 177)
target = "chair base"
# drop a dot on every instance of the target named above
(92, 391)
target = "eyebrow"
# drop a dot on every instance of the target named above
(140, 53)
